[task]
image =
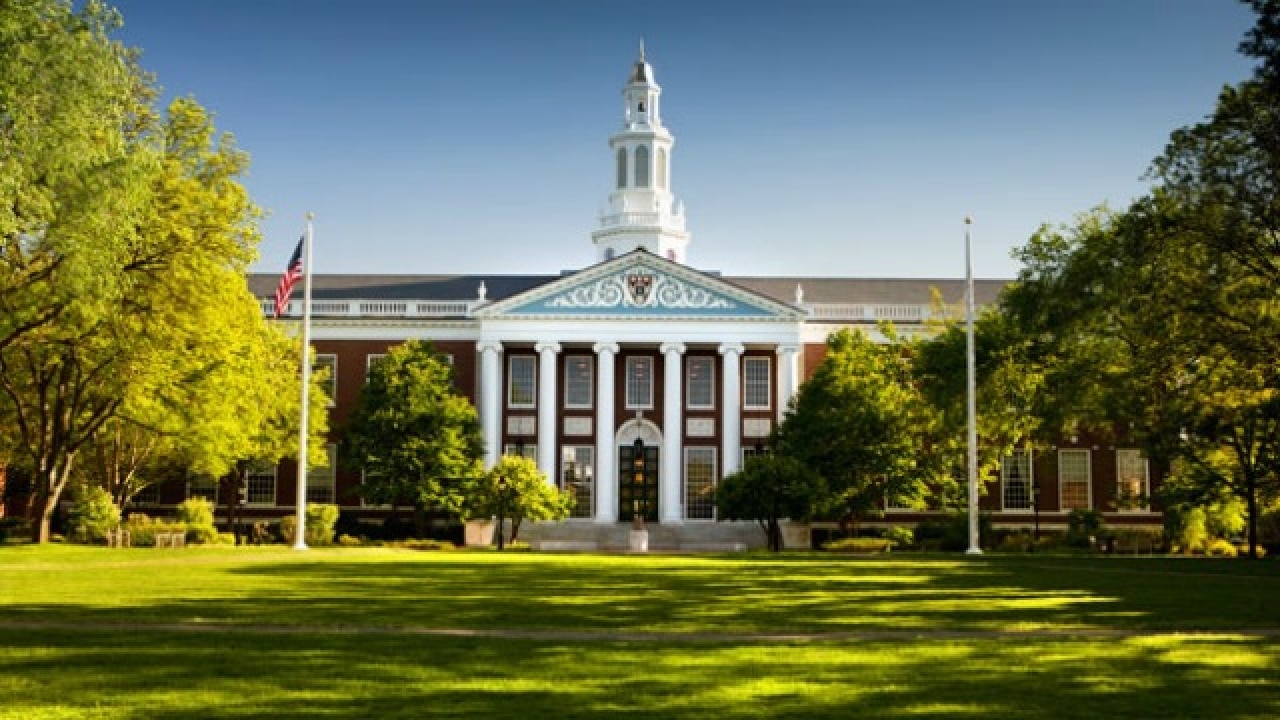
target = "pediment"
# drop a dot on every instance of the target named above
(641, 285)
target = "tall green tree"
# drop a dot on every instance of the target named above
(413, 435)
(862, 423)
(768, 489)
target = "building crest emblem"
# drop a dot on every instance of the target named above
(639, 287)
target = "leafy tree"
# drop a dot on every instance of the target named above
(862, 423)
(516, 489)
(414, 437)
(767, 489)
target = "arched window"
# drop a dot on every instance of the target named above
(642, 166)
(608, 253)
(622, 168)
(662, 168)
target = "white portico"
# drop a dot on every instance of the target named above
(625, 328)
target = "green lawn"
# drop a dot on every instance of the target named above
(251, 632)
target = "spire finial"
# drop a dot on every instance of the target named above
(641, 48)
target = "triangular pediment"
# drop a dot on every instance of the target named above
(641, 285)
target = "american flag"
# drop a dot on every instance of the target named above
(292, 275)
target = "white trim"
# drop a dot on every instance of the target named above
(747, 360)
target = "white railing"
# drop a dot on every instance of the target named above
(863, 312)
(377, 308)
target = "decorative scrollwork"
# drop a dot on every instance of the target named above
(665, 292)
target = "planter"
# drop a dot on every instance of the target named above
(639, 541)
(796, 536)
(478, 533)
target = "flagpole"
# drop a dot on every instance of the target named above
(299, 540)
(971, 377)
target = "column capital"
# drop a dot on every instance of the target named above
(545, 347)
(788, 348)
(489, 346)
(606, 348)
(732, 349)
(672, 347)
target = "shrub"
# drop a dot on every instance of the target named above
(900, 536)
(952, 534)
(1016, 542)
(1220, 548)
(142, 529)
(1136, 540)
(347, 541)
(14, 527)
(859, 545)
(197, 515)
(321, 519)
(1085, 528)
(93, 514)
(1184, 526)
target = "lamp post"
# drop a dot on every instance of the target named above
(502, 508)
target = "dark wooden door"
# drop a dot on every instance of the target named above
(637, 483)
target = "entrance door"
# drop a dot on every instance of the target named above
(638, 483)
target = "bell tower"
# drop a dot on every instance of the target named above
(642, 212)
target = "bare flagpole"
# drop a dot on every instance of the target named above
(971, 377)
(299, 539)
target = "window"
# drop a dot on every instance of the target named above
(330, 363)
(1073, 479)
(577, 381)
(203, 486)
(756, 384)
(639, 383)
(700, 483)
(622, 168)
(262, 484)
(1133, 482)
(578, 478)
(1015, 480)
(700, 383)
(662, 167)
(371, 361)
(520, 449)
(642, 166)
(521, 382)
(365, 478)
(322, 482)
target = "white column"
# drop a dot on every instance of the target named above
(491, 399)
(547, 352)
(606, 465)
(731, 415)
(672, 434)
(788, 376)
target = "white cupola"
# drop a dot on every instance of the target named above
(642, 212)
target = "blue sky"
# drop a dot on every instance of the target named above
(813, 137)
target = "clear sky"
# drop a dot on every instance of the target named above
(813, 137)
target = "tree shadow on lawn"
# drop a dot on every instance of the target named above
(703, 595)
(240, 674)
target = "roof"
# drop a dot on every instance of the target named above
(893, 291)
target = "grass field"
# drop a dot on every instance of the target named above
(253, 632)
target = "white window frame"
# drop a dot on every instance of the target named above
(707, 452)
(569, 362)
(630, 379)
(326, 478)
(585, 476)
(259, 471)
(1133, 453)
(525, 450)
(1024, 455)
(330, 360)
(710, 366)
(1088, 478)
(532, 379)
(747, 362)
